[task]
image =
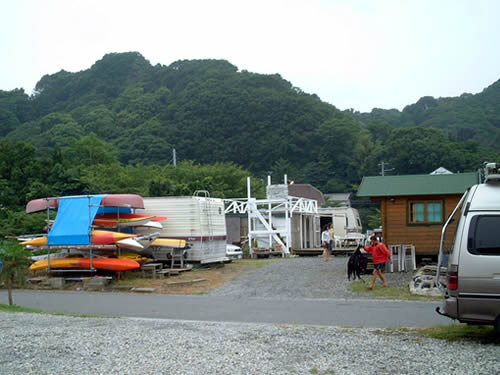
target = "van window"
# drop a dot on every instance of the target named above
(484, 235)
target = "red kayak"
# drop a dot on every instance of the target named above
(98, 237)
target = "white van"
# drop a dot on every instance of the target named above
(473, 290)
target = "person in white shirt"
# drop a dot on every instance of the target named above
(325, 240)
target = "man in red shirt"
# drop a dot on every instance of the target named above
(380, 254)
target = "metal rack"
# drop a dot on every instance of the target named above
(91, 248)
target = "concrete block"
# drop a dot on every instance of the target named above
(57, 282)
(97, 283)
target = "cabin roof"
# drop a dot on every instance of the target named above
(306, 191)
(386, 186)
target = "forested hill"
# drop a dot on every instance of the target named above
(462, 118)
(210, 112)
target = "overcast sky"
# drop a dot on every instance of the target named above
(352, 54)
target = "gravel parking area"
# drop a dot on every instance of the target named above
(302, 277)
(43, 344)
(48, 344)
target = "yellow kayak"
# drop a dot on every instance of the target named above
(169, 242)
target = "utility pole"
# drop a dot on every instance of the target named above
(384, 168)
(174, 157)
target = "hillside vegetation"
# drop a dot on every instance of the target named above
(112, 128)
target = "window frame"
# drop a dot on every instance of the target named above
(426, 221)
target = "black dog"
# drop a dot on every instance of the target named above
(356, 264)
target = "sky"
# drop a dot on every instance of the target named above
(358, 54)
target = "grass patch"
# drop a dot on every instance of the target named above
(18, 309)
(457, 332)
(379, 291)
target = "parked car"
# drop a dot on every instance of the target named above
(233, 252)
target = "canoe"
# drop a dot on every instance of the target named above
(109, 264)
(98, 237)
(169, 242)
(109, 200)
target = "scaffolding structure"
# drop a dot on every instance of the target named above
(269, 220)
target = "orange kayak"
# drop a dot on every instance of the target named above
(109, 264)
(105, 237)
(98, 237)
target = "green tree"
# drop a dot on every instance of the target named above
(19, 168)
(90, 150)
(15, 265)
(375, 219)
(418, 150)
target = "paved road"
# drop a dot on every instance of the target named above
(328, 312)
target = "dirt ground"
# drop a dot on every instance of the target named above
(194, 281)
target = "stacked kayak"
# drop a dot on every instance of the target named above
(107, 264)
(95, 232)
(97, 237)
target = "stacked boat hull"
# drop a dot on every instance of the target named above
(107, 264)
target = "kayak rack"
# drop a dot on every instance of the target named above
(90, 247)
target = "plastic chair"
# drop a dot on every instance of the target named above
(395, 253)
(408, 249)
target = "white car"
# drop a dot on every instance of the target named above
(233, 252)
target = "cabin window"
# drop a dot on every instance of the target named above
(425, 212)
(483, 236)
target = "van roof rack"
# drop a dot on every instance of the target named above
(491, 172)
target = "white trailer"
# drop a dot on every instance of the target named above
(200, 220)
(346, 224)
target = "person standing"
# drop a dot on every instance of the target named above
(332, 238)
(380, 254)
(325, 240)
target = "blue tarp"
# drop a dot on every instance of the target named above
(73, 221)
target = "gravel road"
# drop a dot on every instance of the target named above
(41, 344)
(45, 344)
(302, 277)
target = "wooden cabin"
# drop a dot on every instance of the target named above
(415, 207)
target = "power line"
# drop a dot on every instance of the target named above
(384, 168)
